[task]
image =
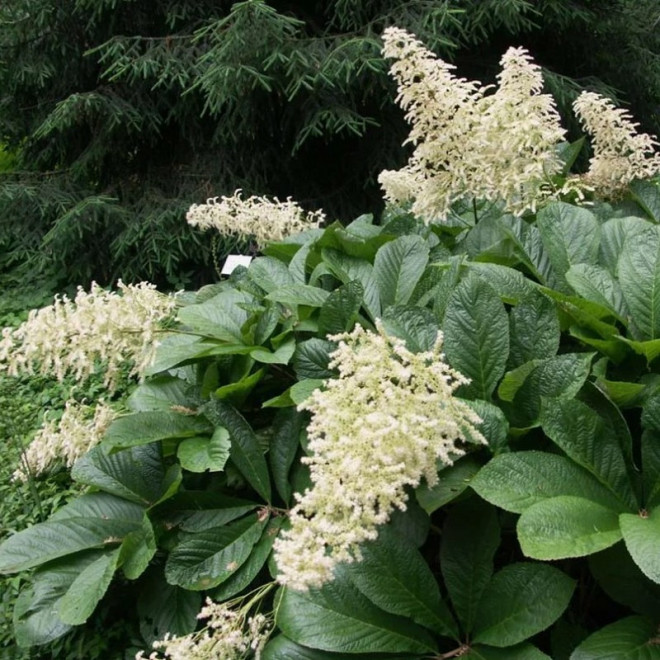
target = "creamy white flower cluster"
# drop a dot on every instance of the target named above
(257, 218)
(73, 337)
(80, 428)
(375, 430)
(621, 154)
(228, 635)
(500, 146)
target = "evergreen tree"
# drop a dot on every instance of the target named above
(121, 114)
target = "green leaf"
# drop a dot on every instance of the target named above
(288, 425)
(639, 275)
(614, 234)
(339, 618)
(137, 550)
(165, 608)
(348, 269)
(312, 357)
(476, 335)
(141, 428)
(534, 330)
(516, 481)
(470, 538)
(201, 454)
(36, 619)
(520, 601)
(206, 559)
(649, 349)
(417, 326)
(632, 638)
(199, 511)
(651, 451)
(561, 376)
(220, 317)
(394, 576)
(304, 389)
(298, 264)
(494, 425)
(246, 451)
(641, 534)
(340, 310)
(280, 356)
(647, 195)
(597, 284)
(299, 294)
(91, 521)
(269, 273)
(510, 285)
(244, 576)
(518, 652)
(136, 474)
(160, 394)
(266, 323)
(589, 440)
(398, 267)
(452, 481)
(82, 597)
(566, 526)
(623, 581)
(570, 234)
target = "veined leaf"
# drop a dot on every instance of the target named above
(341, 308)
(597, 284)
(452, 481)
(476, 335)
(520, 601)
(339, 618)
(220, 317)
(299, 294)
(312, 357)
(201, 454)
(614, 234)
(566, 526)
(417, 326)
(208, 558)
(398, 267)
(627, 639)
(641, 534)
(288, 425)
(518, 652)
(270, 273)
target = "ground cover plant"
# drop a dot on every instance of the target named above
(431, 437)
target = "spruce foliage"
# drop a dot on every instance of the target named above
(121, 114)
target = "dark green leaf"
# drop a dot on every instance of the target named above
(246, 451)
(476, 335)
(647, 195)
(206, 559)
(269, 273)
(398, 267)
(280, 356)
(137, 550)
(591, 442)
(394, 576)
(339, 618)
(614, 233)
(417, 326)
(520, 601)
(597, 284)
(341, 308)
(160, 394)
(299, 294)
(510, 285)
(470, 538)
(220, 317)
(288, 425)
(566, 526)
(534, 330)
(494, 425)
(452, 481)
(518, 652)
(311, 359)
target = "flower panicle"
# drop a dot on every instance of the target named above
(257, 218)
(377, 429)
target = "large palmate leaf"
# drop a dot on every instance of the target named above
(136, 474)
(570, 234)
(632, 638)
(246, 451)
(521, 600)
(398, 267)
(567, 526)
(476, 330)
(470, 537)
(205, 559)
(639, 276)
(589, 440)
(517, 481)
(394, 576)
(340, 618)
(92, 521)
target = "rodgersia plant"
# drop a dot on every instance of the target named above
(410, 439)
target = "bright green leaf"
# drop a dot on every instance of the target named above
(641, 534)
